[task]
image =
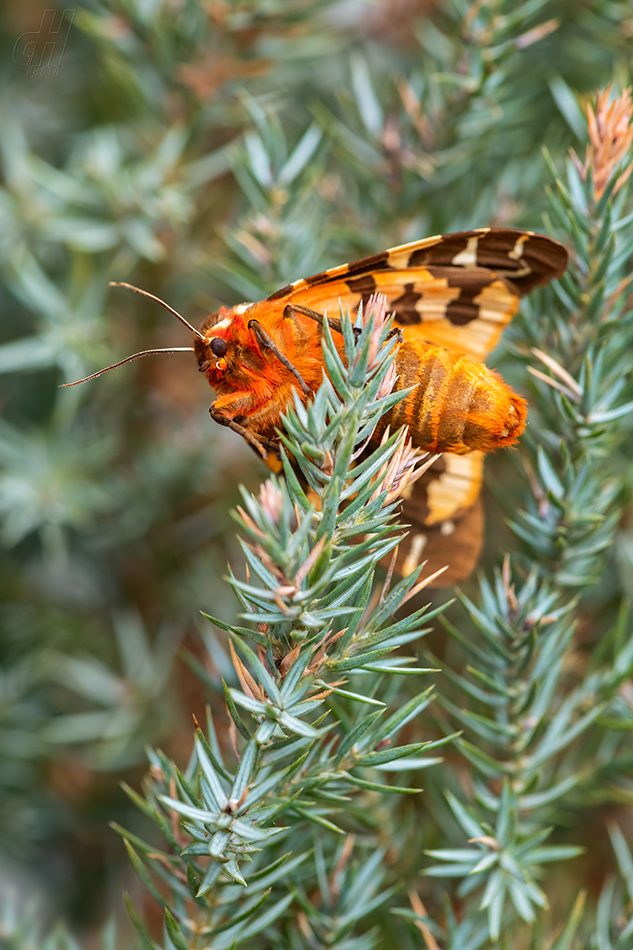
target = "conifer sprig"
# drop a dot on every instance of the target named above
(526, 721)
(310, 729)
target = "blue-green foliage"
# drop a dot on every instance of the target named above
(210, 153)
(301, 756)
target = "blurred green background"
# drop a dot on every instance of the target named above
(208, 152)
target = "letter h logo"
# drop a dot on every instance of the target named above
(41, 51)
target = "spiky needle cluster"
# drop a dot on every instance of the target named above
(531, 703)
(309, 665)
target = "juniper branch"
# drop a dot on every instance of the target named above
(310, 729)
(526, 728)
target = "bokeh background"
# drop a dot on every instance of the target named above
(209, 152)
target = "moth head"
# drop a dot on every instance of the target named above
(223, 343)
(212, 354)
(214, 345)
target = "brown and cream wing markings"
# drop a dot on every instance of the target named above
(454, 544)
(445, 513)
(456, 290)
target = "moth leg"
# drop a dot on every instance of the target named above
(266, 340)
(333, 323)
(263, 447)
(292, 308)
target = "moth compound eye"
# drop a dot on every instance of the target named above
(218, 346)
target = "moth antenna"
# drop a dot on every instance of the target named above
(128, 359)
(146, 293)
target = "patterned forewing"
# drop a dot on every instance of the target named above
(463, 311)
(456, 290)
